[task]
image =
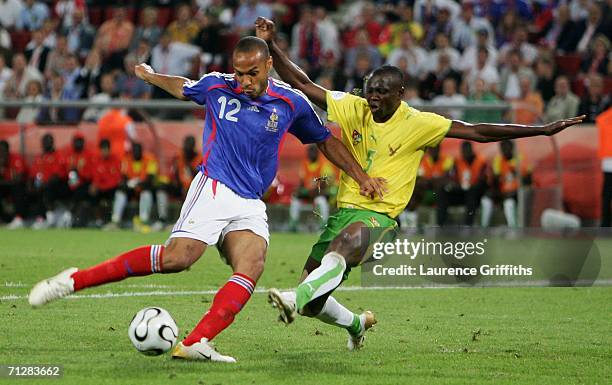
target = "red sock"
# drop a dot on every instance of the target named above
(228, 302)
(144, 260)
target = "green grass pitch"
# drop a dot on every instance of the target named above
(424, 336)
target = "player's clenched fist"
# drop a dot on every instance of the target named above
(265, 29)
(142, 70)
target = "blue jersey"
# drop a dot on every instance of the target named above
(242, 136)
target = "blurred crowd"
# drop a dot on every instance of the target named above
(550, 58)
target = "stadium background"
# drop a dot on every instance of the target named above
(324, 37)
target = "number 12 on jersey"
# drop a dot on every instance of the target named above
(230, 114)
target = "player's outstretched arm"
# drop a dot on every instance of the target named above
(287, 70)
(171, 84)
(486, 132)
(336, 152)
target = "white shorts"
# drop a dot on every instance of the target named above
(211, 210)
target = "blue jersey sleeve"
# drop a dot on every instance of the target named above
(197, 90)
(307, 126)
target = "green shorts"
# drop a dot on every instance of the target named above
(343, 218)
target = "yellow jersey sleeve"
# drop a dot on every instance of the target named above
(431, 128)
(346, 109)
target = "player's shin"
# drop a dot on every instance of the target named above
(141, 261)
(228, 302)
(321, 280)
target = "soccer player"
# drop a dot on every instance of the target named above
(13, 177)
(507, 168)
(388, 138)
(79, 161)
(247, 116)
(316, 185)
(106, 178)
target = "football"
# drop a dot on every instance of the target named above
(153, 331)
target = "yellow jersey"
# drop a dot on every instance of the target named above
(390, 150)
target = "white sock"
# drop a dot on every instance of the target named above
(119, 204)
(145, 206)
(510, 212)
(486, 210)
(334, 313)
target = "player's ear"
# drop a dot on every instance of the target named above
(269, 64)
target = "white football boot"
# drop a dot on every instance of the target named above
(284, 303)
(367, 320)
(52, 288)
(200, 351)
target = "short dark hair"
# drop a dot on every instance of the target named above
(391, 71)
(4, 144)
(104, 143)
(252, 44)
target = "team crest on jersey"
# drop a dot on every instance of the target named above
(356, 138)
(393, 151)
(272, 124)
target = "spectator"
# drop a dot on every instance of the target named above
(148, 30)
(505, 29)
(432, 84)
(399, 23)
(5, 40)
(592, 26)
(129, 85)
(441, 24)
(317, 179)
(414, 55)
(106, 177)
(411, 94)
(13, 174)
(5, 74)
(599, 57)
(509, 82)
(65, 10)
(29, 115)
(139, 171)
(448, 98)
(73, 87)
(427, 12)
(505, 184)
(330, 68)
(210, 43)
(184, 29)
(469, 58)
(579, 9)
(15, 87)
(80, 34)
(528, 109)
(362, 47)
(32, 15)
(594, 102)
(219, 10)
(80, 165)
(36, 52)
(466, 24)
(10, 11)
(481, 93)
(328, 29)
(247, 13)
(89, 78)
(484, 71)
(48, 176)
(467, 188)
(55, 92)
(443, 47)
(173, 58)
(49, 29)
(114, 37)
(307, 41)
(107, 84)
(545, 73)
(564, 104)
(366, 18)
(562, 35)
(56, 60)
(519, 42)
(355, 79)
